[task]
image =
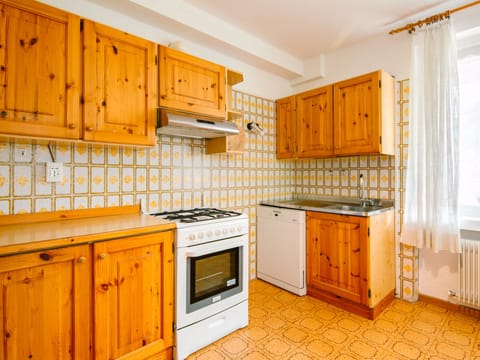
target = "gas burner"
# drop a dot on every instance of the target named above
(196, 215)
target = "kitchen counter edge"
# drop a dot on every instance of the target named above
(286, 205)
(41, 231)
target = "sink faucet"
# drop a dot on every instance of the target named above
(363, 199)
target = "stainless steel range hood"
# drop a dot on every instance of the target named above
(185, 124)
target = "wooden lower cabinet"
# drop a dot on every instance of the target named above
(45, 304)
(46, 300)
(351, 260)
(133, 297)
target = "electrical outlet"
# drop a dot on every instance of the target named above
(54, 172)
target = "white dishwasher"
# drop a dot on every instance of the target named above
(281, 247)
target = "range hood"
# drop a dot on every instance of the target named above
(185, 124)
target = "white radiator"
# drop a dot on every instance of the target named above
(470, 271)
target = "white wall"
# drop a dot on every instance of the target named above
(387, 52)
(438, 273)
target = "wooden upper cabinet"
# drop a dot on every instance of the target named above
(358, 118)
(45, 304)
(314, 127)
(363, 115)
(120, 82)
(133, 296)
(191, 84)
(286, 127)
(39, 71)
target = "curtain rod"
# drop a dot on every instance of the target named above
(411, 27)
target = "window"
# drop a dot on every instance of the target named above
(469, 79)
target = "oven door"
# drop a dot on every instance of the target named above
(210, 278)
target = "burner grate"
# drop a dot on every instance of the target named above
(196, 215)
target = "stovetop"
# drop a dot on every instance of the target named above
(196, 215)
(202, 225)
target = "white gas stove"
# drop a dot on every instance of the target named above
(211, 277)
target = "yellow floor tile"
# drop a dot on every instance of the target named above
(288, 327)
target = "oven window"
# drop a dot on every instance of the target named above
(213, 277)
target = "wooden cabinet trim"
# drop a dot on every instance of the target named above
(314, 122)
(138, 125)
(173, 88)
(109, 334)
(57, 117)
(63, 280)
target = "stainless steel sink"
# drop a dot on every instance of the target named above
(356, 208)
(308, 203)
(335, 206)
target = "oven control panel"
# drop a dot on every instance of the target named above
(218, 230)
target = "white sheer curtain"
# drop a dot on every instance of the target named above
(431, 192)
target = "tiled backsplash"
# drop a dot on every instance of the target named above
(178, 174)
(340, 176)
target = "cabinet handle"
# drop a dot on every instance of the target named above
(45, 256)
(72, 126)
(82, 260)
(89, 128)
(102, 256)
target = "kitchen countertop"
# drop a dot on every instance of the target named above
(32, 232)
(333, 205)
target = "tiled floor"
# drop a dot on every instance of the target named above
(288, 327)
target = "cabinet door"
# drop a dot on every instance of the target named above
(314, 114)
(191, 84)
(336, 255)
(119, 76)
(357, 115)
(133, 296)
(286, 128)
(39, 71)
(45, 304)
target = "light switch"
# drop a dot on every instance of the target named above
(54, 172)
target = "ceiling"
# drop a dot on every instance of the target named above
(307, 28)
(282, 36)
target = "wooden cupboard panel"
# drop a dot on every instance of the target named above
(356, 118)
(45, 304)
(363, 116)
(119, 86)
(381, 256)
(133, 296)
(191, 84)
(286, 128)
(315, 128)
(39, 71)
(336, 255)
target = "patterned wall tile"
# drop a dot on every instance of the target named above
(22, 180)
(5, 181)
(177, 173)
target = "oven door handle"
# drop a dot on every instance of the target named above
(210, 250)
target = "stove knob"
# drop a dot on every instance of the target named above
(209, 233)
(225, 231)
(218, 232)
(232, 230)
(191, 237)
(200, 235)
(239, 228)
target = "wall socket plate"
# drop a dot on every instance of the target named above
(54, 172)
